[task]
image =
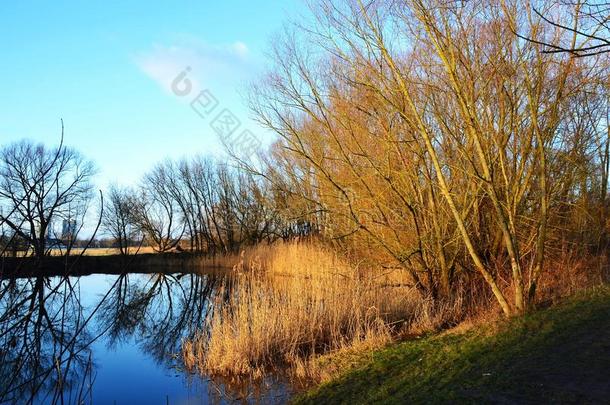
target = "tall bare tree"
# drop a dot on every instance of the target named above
(429, 135)
(41, 186)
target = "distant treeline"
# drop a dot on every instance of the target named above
(197, 205)
(200, 205)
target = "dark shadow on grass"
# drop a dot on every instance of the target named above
(557, 355)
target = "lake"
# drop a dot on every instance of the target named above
(112, 339)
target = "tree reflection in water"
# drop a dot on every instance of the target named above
(45, 355)
(46, 333)
(159, 310)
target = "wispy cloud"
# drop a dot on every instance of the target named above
(212, 65)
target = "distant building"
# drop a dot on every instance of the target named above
(68, 229)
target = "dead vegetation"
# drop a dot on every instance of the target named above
(289, 302)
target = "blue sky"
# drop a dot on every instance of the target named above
(106, 68)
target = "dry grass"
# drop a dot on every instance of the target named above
(570, 271)
(303, 307)
(102, 251)
(292, 302)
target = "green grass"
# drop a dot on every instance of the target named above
(556, 355)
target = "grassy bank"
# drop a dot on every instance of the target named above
(560, 354)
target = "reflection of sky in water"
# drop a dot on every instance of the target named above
(126, 375)
(144, 319)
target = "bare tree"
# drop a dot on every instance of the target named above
(157, 213)
(120, 218)
(429, 136)
(216, 206)
(40, 186)
(584, 27)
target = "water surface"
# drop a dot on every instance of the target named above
(108, 339)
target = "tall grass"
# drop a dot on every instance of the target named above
(289, 304)
(293, 301)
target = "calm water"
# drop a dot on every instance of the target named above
(104, 339)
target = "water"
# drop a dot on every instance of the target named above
(107, 339)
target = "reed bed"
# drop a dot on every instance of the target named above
(291, 302)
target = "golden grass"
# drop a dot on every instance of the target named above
(303, 308)
(291, 302)
(102, 251)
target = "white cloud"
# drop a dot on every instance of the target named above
(210, 66)
(241, 49)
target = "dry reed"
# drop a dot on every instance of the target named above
(291, 305)
(293, 301)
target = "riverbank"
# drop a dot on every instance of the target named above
(555, 355)
(148, 263)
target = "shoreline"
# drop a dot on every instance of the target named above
(76, 266)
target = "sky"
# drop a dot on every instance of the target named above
(107, 67)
